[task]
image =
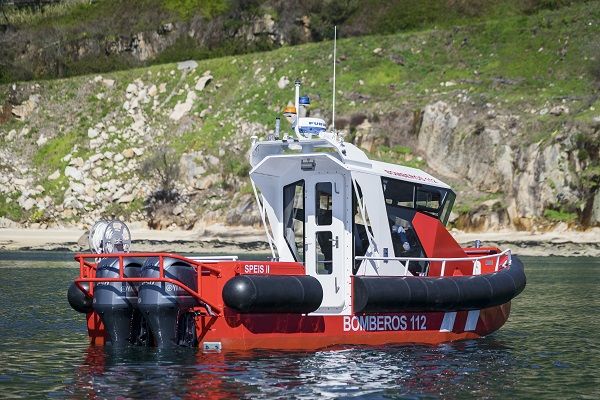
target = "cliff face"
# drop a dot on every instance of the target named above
(505, 111)
(528, 177)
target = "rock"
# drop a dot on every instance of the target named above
(206, 182)
(77, 162)
(109, 83)
(41, 140)
(23, 110)
(72, 203)
(543, 111)
(74, 173)
(596, 209)
(202, 82)
(92, 133)
(559, 110)
(131, 88)
(97, 172)
(27, 204)
(181, 109)
(54, 176)
(178, 209)
(283, 82)
(138, 151)
(212, 160)
(377, 51)
(126, 198)
(152, 91)
(7, 223)
(78, 188)
(118, 157)
(166, 28)
(162, 88)
(128, 153)
(189, 168)
(188, 65)
(245, 213)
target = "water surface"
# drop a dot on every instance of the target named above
(549, 348)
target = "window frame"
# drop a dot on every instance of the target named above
(303, 185)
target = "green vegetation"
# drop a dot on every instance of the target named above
(206, 8)
(124, 211)
(59, 30)
(49, 157)
(9, 207)
(560, 216)
(519, 60)
(398, 155)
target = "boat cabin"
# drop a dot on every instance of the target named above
(326, 205)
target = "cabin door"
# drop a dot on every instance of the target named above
(324, 241)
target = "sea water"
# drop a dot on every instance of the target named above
(549, 348)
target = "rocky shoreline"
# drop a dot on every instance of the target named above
(241, 240)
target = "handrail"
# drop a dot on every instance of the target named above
(444, 260)
(161, 278)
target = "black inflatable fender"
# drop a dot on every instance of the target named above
(296, 294)
(374, 294)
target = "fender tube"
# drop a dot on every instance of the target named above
(373, 294)
(296, 294)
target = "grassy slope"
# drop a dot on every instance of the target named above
(550, 55)
(64, 27)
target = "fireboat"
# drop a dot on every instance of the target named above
(360, 255)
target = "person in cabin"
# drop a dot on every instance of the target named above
(399, 228)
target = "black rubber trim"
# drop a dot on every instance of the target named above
(376, 294)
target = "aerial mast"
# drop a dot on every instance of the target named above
(334, 57)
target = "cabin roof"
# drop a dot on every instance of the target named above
(351, 157)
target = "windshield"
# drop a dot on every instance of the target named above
(430, 200)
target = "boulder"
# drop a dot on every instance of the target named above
(283, 82)
(128, 153)
(74, 173)
(202, 82)
(54, 176)
(126, 198)
(92, 133)
(188, 65)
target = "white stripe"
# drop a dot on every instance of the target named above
(448, 322)
(472, 319)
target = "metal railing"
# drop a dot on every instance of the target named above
(476, 260)
(87, 267)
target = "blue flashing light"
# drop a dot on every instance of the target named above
(304, 101)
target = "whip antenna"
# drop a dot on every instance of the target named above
(334, 57)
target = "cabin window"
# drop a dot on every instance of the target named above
(323, 204)
(430, 200)
(360, 226)
(404, 238)
(293, 218)
(447, 208)
(324, 253)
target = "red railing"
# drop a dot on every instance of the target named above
(87, 268)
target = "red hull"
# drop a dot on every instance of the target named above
(293, 332)
(230, 330)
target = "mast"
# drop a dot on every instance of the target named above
(334, 57)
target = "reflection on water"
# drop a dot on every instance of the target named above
(549, 348)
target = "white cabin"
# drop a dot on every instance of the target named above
(324, 203)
